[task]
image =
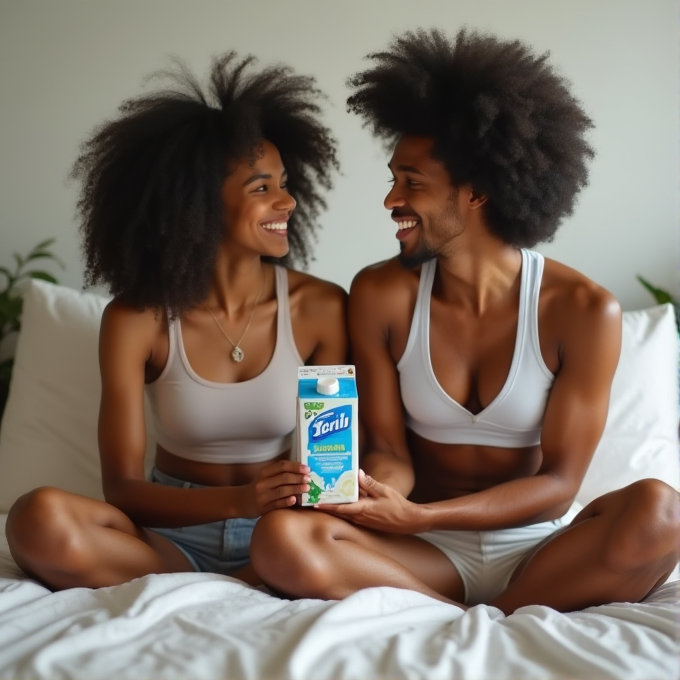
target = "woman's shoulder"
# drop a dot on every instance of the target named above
(312, 291)
(121, 317)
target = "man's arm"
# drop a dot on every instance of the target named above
(574, 419)
(384, 456)
(575, 416)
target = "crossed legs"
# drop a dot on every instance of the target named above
(65, 540)
(619, 548)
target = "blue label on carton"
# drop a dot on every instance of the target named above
(330, 445)
(330, 424)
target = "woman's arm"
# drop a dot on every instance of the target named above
(128, 339)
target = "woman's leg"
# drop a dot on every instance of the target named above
(306, 553)
(65, 540)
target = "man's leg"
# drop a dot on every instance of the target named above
(617, 549)
(66, 541)
(306, 553)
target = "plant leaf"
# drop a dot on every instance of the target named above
(44, 276)
(38, 254)
(6, 370)
(661, 296)
(10, 312)
(44, 244)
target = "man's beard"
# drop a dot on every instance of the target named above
(422, 254)
(441, 229)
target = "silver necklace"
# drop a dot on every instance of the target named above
(237, 352)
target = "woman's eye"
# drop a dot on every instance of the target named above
(391, 181)
(261, 189)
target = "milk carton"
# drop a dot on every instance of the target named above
(328, 433)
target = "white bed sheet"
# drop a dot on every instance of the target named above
(203, 626)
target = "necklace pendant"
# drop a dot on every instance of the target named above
(237, 354)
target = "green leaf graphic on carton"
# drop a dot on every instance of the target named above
(314, 493)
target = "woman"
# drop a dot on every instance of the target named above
(187, 207)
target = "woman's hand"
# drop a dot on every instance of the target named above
(379, 507)
(276, 486)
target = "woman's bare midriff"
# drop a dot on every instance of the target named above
(210, 474)
(445, 471)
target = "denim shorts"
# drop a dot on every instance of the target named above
(218, 547)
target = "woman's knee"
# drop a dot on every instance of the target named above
(41, 529)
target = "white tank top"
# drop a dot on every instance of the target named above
(246, 422)
(515, 417)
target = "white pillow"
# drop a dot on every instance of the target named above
(640, 438)
(48, 434)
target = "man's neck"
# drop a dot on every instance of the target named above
(478, 273)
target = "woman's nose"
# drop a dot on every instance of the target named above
(284, 201)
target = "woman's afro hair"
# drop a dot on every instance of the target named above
(502, 120)
(150, 209)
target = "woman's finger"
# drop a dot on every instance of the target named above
(275, 494)
(283, 466)
(282, 479)
(279, 504)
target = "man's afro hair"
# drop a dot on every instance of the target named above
(503, 121)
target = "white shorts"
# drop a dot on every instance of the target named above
(486, 560)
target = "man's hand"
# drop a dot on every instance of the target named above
(379, 507)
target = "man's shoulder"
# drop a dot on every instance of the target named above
(385, 278)
(575, 298)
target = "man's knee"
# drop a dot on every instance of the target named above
(287, 551)
(648, 531)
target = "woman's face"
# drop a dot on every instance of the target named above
(258, 205)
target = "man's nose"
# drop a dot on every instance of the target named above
(394, 199)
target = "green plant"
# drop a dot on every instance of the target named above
(662, 297)
(11, 302)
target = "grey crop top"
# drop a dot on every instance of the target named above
(246, 422)
(515, 417)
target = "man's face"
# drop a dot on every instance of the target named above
(422, 200)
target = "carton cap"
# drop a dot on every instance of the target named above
(328, 386)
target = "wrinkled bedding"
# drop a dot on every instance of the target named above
(203, 626)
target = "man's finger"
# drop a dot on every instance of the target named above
(342, 509)
(368, 484)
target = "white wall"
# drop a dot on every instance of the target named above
(66, 64)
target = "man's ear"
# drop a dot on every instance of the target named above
(476, 199)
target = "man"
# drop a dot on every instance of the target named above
(484, 370)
